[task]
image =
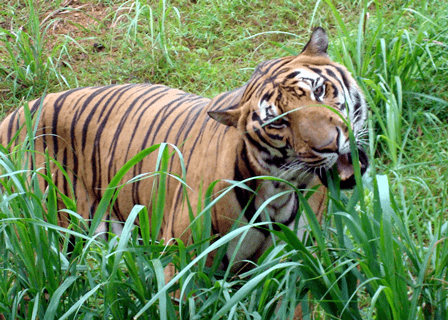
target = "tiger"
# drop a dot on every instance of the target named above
(290, 121)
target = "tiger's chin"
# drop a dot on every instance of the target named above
(345, 170)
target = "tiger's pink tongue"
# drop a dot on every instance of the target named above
(345, 168)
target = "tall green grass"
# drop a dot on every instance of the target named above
(29, 64)
(145, 25)
(363, 264)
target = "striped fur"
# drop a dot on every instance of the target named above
(274, 125)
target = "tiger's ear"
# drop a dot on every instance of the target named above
(317, 45)
(228, 117)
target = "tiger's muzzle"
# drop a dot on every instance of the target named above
(327, 135)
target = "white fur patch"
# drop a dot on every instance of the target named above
(267, 110)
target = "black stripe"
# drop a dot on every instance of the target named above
(268, 95)
(225, 261)
(292, 75)
(258, 132)
(199, 137)
(333, 75)
(133, 105)
(95, 155)
(343, 76)
(276, 161)
(94, 108)
(228, 100)
(357, 98)
(318, 71)
(188, 123)
(144, 106)
(13, 125)
(92, 210)
(277, 64)
(185, 128)
(57, 107)
(123, 120)
(256, 143)
(151, 131)
(161, 116)
(346, 83)
(35, 106)
(293, 215)
(245, 198)
(64, 180)
(186, 114)
(97, 150)
(74, 122)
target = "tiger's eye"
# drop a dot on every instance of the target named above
(318, 91)
(278, 123)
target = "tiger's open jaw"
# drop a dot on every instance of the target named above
(344, 166)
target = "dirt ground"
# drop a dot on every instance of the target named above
(75, 18)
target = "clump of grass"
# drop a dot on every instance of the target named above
(365, 252)
(29, 64)
(146, 26)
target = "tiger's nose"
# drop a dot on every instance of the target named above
(322, 129)
(330, 143)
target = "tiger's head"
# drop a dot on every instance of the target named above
(294, 116)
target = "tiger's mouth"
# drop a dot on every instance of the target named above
(344, 167)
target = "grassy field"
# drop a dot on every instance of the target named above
(382, 252)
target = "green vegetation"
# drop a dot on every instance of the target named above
(381, 252)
